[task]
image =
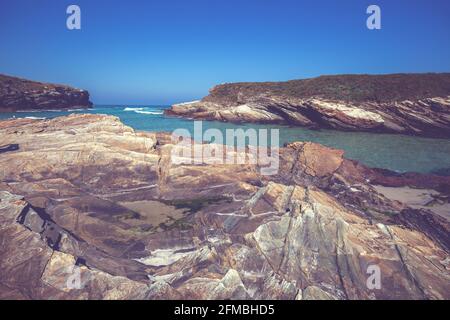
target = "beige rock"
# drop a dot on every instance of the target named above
(80, 193)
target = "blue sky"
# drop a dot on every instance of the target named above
(161, 52)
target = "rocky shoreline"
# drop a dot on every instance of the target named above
(86, 193)
(411, 104)
(18, 94)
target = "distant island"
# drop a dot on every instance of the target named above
(21, 94)
(413, 104)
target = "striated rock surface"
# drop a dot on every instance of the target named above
(413, 104)
(20, 94)
(91, 209)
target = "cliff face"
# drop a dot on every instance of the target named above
(87, 196)
(415, 104)
(20, 94)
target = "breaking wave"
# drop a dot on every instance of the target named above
(36, 118)
(73, 110)
(133, 109)
(149, 112)
(144, 111)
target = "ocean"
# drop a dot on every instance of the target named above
(395, 152)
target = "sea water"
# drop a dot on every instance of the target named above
(395, 152)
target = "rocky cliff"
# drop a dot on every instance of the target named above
(414, 104)
(91, 209)
(20, 94)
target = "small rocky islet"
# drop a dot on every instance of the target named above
(86, 192)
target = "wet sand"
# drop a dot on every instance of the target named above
(418, 199)
(155, 212)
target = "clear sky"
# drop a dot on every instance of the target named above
(161, 52)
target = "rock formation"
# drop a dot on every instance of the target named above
(91, 209)
(20, 94)
(413, 104)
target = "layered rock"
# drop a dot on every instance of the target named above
(414, 104)
(20, 94)
(91, 209)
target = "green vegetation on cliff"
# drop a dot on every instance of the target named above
(356, 88)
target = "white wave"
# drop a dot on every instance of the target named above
(36, 118)
(73, 110)
(149, 112)
(133, 109)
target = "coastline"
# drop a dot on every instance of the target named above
(221, 224)
(230, 158)
(411, 104)
(398, 153)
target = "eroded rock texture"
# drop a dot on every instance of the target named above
(21, 94)
(414, 104)
(91, 209)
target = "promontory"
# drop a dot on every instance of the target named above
(412, 104)
(21, 94)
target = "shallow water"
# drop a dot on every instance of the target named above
(395, 152)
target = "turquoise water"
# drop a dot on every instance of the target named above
(394, 152)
